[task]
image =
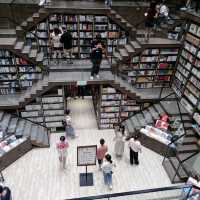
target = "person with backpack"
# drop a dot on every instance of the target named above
(68, 123)
(62, 147)
(67, 41)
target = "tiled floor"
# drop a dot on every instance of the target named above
(37, 176)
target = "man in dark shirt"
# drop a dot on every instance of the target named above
(66, 40)
(96, 56)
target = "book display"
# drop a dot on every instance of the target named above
(187, 77)
(83, 28)
(112, 106)
(16, 73)
(152, 68)
(48, 110)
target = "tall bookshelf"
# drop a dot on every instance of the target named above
(16, 73)
(154, 67)
(47, 110)
(112, 106)
(187, 77)
(83, 28)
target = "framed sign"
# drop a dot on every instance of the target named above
(86, 155)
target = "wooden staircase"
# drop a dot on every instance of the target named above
(188, 147)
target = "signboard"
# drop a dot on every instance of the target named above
(86, 155)
(81, 83)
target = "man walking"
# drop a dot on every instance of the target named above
(135, 147)
(66, 40)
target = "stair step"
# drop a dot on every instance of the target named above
(153, 113)
(130, 126)
(135, 44)
(183, 156)
(30, 19)
(19, 45)
(188, 148)
(46, 139)
(34, 132)
(148, 117)
(20, 127)
(33, 53)
(159, 109)
(13, 125)
(1, 115)
(5, 121)
(40, 57)
(36, 15)
(27, 129)
(113, 11)
(123, 21)
(123, 53)
(190, 140)
(24, 24)
(129, 49)
(129, 25)
(118, 16)
(117, 55)
(141, 120)
(26, 49)
(135, 123)
(190, 133)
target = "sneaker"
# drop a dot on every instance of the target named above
(91, 77)
(97, 76)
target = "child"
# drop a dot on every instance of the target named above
(62, 147)
(101, 151)
(107, 168)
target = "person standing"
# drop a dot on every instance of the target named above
(107, 168)
(62, 147)
(119, 142)
(55, 43)
(69, 128)
(67, 41)
(135, 148)
(96, 56)
(101, 151)
(150, 16)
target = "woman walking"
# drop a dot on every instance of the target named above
(107, 168)
(69, 128)
(62, 147)
(119, 141)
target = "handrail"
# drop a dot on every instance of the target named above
(36, 123)
(151, 104)
(145, 191)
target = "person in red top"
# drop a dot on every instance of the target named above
(62, 147)
(101, 151)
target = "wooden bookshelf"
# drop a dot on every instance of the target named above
(152, 68)
(16, 73)
(83, 28)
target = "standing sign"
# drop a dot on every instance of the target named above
(86, 155)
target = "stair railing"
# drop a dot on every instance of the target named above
(141, 194)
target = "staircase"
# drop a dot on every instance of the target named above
(184, 150)
(12, 124)
(32, 21)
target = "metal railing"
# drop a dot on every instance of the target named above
(179, 192)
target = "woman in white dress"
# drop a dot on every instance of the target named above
(119, 141)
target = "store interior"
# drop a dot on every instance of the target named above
(148, 86)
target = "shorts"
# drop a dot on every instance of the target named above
(100, 161)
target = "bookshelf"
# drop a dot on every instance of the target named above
(16, 73)
(187, 77)
(83, 28)
(153, 67)
(111, 106)
(47, 110)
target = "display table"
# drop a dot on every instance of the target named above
(16, 151)
(156, 140)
